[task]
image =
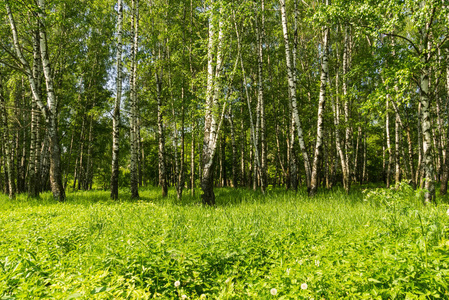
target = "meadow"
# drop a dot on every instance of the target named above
(381, 244)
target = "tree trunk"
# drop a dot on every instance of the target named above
(428, 166)
(50, 110)
(44, 165)
(348, 131)
(223, 177)
(257, 166)
(420, 139)
(7, 140)
(389, 148)
(234, 151)
(116, 113)
(440, 141)
(338, 141)
(242, 147)
(278, 148)
(192, 160)
(364, 172)
(4, 174)
(181, 175)
(80, 173)
(292, 88)
(321, 106)
(33, 166)
(397, 142)
(211, 127)
(161, 137)
(427, 140)
(33, 171)
(293, 170)
(134, 169)
(89, 163)
(445, 177)
(261, 103)
(52, 113)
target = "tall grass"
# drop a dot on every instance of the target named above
(341, 246)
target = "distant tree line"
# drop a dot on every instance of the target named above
(206, 93)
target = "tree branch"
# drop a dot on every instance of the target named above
(406, 39)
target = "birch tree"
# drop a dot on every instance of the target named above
(292, 92)
(134, 170)
(211, 118)
(321, 106)
(50, 109)
(116, 112)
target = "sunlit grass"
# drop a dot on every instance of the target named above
(340, 246)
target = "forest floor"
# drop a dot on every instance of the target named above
(379, 245)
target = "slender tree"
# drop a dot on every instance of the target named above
(321, 106)
(116, 113)
(134, 165)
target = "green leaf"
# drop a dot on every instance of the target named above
(74, 296)
(98, 290)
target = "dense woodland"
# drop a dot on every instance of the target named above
(195, 94)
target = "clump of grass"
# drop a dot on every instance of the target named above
(334, 245)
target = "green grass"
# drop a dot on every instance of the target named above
(341, 246)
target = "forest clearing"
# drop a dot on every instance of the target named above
(224, 149)
(283, 245)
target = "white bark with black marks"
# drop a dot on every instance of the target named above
(292, 89)
(321, 105)
(211, 119)
(134, 142)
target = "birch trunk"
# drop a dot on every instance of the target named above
(33, 166)
(356, 173)
(81, 154)
(364, 173)
(211, 124)
(397, 142)
(445, 177)
(8, 149)
(292, 89)
(34, 78)
(89, 172)
(4, 175)
(234, 151)
(44, 163)
(52, 112)
(420, 140)
(261, 104)
(427, 140)
(321, 105)
(242, 147)
(192, 146)
(134, 169)
(428, 166)
(440, 141)
(257, 167)
(293, 169)
(389, 149)
(338, 140)
(348, 133)
(192, 160)
(408, 158)
(116, 113)
(161, 137)
(181, 175)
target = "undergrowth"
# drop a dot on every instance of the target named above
(381, 244)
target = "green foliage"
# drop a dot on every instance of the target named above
(400, 196)
(340, 246)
